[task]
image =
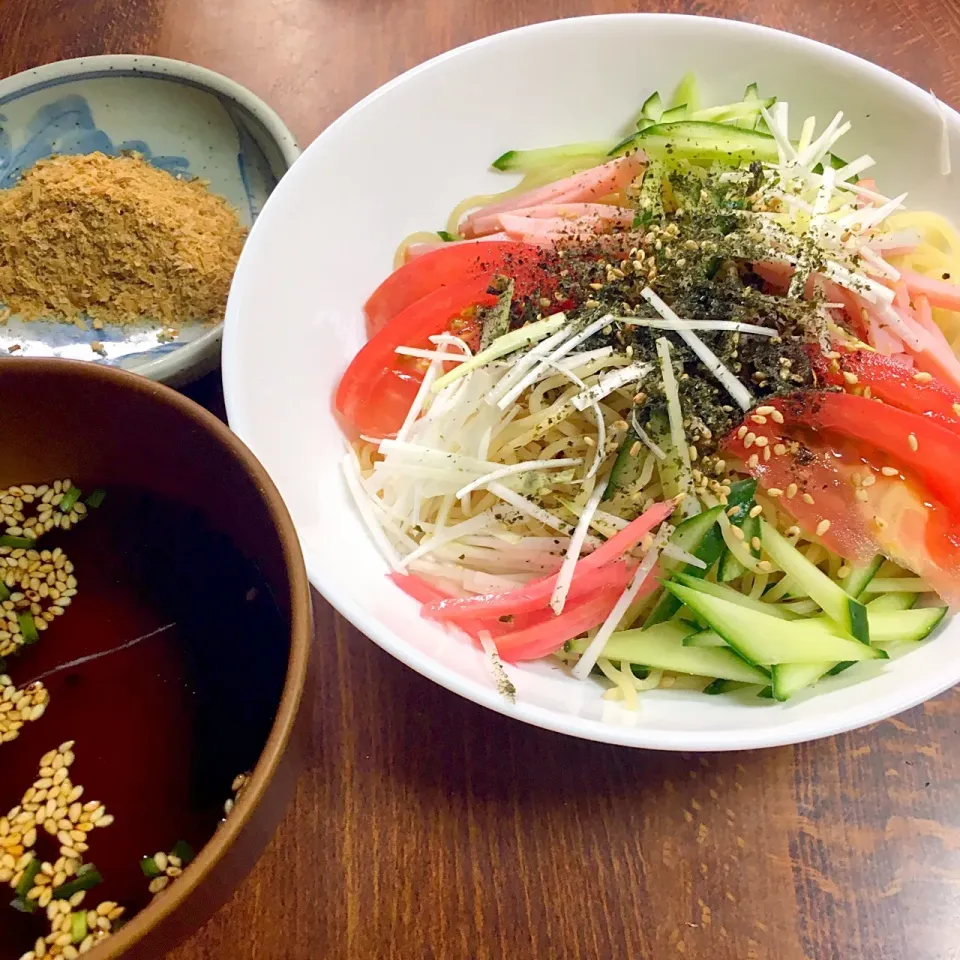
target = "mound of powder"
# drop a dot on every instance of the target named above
(115, 239)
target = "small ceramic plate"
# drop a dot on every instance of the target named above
(443, 123)
(183, 119)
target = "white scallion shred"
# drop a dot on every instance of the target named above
(513, 469)
(709, 359)
(565, 577)
(610, 382)
(508, 343)
(677, 435)
(540, 368)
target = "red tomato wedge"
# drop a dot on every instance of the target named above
(893, 515)
(379, 386)
(893, 382)
(916, 443)
(529, 266)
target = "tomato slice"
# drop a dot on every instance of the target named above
(531, 268)
(892, 515)
(378, 387)
(916, 443)
(893, 382)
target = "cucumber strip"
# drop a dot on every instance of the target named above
(687, 93)
(741, 495)
(698, 140)
(859, 577)
(752, 95)
(735, 596)
(733, 111)
(886, 626)
(652, 108)
(725, 686)
(495, 320)
(705, 638)
(526, 161)
(626, 468)
(675, 114)
(701, 537)
(891, 602)
(662, 648)
(790, 678)
(848, 613)
(762, 639)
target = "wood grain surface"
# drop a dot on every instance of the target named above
(425, 827)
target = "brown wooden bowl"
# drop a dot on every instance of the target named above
(64, 418)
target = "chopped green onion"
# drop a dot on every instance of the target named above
(96, 498)
(149, 867)
(184, 851)
(447, 237)
(27, 627)
(4, 592)
(16, 543)
(69, 499)
(86, 878)
(78, 926)
(30, 872)
(22, 902)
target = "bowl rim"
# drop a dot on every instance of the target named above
(199, 356)
(358, 615)
(301, 636)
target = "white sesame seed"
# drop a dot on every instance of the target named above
(912, 441)
(922, 377)
(822, 527)
(889, 471)
(807, 499)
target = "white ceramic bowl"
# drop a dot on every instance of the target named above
(183, 119)
(399, 161)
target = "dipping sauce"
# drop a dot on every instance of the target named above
(163, 725)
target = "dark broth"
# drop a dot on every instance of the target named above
(164, 726)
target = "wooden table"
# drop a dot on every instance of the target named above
(426, 827)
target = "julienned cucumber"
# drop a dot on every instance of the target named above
(735, 596)
(891, 602)
(701, 140)
(733, 111)
(791, 678)
(795, 677)
(886, 626)
(741, 495)
(700, 536)
(687, 93)
(662, 648)
(849, 614)
(762, 639)
(526, 160)
(626, 468)
(705, 638)
(652, 108)
(860, 576)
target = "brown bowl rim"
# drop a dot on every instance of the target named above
(301, 632)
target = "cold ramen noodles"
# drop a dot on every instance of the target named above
(678, 410)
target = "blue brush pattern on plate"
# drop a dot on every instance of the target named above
(178, 126)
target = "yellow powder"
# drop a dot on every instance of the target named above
(116, 239)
